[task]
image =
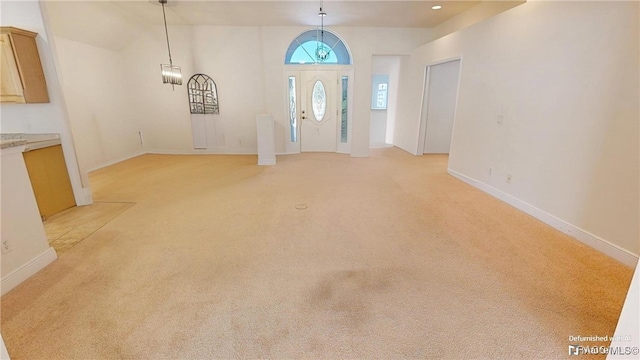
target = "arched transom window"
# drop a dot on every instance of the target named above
(203, 95)
(317, 47)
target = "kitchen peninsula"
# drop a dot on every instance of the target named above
(24, 245)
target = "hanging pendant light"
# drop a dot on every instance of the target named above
(322, 51)
(171, 74)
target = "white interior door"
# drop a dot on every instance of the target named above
(442, 93)
(318, 110)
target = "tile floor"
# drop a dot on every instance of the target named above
(69, 227)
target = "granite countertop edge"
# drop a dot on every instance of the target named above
(12, 140)
(33, 141)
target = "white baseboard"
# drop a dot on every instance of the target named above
(113, 162)
(624, 256)
(175, 152)
(267, 162)
(210, 151)
(27, 270)
(4, 355)
(377, 145)
(169, 152)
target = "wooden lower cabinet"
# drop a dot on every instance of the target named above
(50, 180)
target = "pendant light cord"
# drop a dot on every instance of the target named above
(166, 32)
(322, 15)
(322, 21)
(322, 25)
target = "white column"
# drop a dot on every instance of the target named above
(266, 140)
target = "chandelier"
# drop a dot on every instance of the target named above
(171, 74)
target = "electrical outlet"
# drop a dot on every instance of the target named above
(6, 246)
(509, 178)
(490, 171)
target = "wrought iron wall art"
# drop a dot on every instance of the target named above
(203, 95)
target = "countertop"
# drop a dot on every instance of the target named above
(31, 141)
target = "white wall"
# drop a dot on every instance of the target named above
(48, 117)
(383, 121)
(233, 58)
(563, 77)
(22, 227)
(100, 101)
(394, 85)
(378, 128)
(365, 42)
(162, 112)
(4, 355)
(247, 64)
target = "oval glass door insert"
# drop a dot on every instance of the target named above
(318, 101)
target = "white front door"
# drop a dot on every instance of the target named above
(318, 111)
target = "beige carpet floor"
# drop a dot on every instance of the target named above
(392, 258)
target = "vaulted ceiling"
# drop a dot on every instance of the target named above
(109, 23)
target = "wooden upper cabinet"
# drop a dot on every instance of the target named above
(22, 75)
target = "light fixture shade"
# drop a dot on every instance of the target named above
(322, 52)
(171, 74)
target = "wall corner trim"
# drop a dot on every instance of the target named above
(614, 251)
(27, 270)
(87, 198)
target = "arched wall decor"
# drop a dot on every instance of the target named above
(318, 47)
(203, 95)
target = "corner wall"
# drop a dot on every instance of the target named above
(48, 117)
(247, 64)
(549, 95)
(383, 121)
(101, 110)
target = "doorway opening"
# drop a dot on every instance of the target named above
(439, 107)
(385, 77)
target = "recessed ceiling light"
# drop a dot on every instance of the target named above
(436, 7)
